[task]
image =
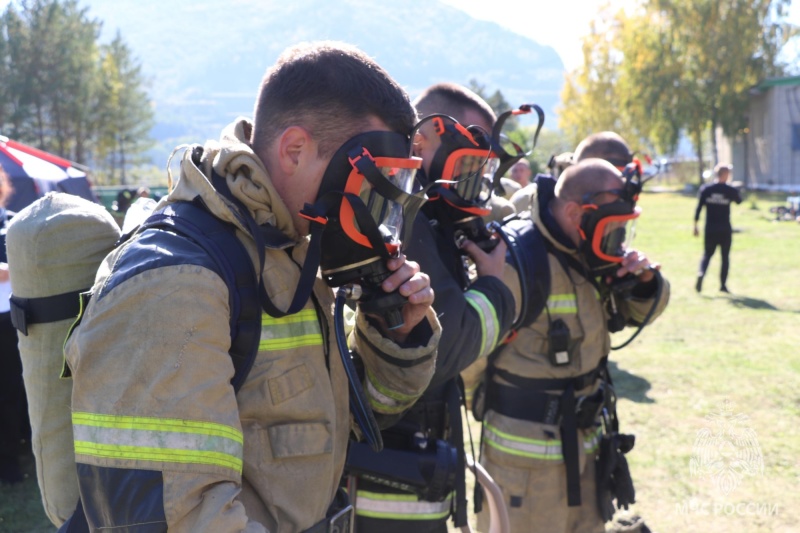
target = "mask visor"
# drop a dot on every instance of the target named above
(465, 169)
(613, 236)
(385, 212)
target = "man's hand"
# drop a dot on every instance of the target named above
(636, 263)
(414, 285)
(696, 233)
(491, 264)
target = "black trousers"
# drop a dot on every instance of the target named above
(712, 241)
(13, 406)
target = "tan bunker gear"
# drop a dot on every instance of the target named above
(523, 426)
(155, 418)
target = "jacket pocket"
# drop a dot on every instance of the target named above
(289, 384)
(303, 439)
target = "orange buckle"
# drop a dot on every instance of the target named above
(318, 220)
(511, 336)
(438, 125)
(364, 153)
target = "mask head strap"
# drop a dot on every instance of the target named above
(507, 160)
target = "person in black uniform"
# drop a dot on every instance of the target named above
(13, 405)
(475, 315)
(717, 198)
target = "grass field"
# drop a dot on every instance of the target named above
(711, 361)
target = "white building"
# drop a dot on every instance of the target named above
(767, 154)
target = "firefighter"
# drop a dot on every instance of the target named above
(474, 314)
(548, 401)
(160, 436)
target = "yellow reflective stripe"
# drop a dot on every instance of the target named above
(490, 326)
(157, 439)
(400, 506)
(161, 455)
(293, 331)
(385, 400)
(174, 425)
(562, 304)
(511, 444)
(534, 448)
(304, 315)
(591, 442)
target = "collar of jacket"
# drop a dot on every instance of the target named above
(247, 178)
(543, 217)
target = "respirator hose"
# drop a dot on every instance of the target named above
(358, 401)
(652, 310)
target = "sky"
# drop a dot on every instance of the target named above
(546, 22)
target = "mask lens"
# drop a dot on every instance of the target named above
(386, 213)
(614, 236)
(466, 168)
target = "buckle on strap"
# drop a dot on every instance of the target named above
(342, 521)
(18, 317)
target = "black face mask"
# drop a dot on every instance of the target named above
(367, 209)
(607, 230)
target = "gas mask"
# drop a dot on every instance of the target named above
(607, 230)
(363, 213)
(460, 179)
(367, 209)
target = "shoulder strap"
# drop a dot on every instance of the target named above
(527, 249)
(193, 221)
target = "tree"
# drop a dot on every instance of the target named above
(126, 117)
(675, 66)
(590, 99)
(60, 93)
(496, 101)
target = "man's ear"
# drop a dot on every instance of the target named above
(294, 144)
(574, 213)
(421, 142)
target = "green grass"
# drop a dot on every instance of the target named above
(705, 350)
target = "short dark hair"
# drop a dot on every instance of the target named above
(453, 100)
(606, 145)
(331, 89)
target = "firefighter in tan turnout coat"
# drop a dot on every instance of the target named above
(160, 437)
(547, 474)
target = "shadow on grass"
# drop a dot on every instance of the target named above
(751, 303)
(629, 385)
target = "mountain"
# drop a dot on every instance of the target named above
(205, 58)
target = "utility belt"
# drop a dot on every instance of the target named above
(527, 400)
(429, 471)
(542, 407)
(416, 457)
(338, 519)
(427, 417)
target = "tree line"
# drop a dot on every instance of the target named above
(64, 92)
(673, 68)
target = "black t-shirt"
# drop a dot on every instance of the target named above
(717, 198)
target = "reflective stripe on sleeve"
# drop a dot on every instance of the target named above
(383, 399)
(562, 304)
(548, 450)
(162, 440)
(400, 506)
(292, 331)
(490, 326)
